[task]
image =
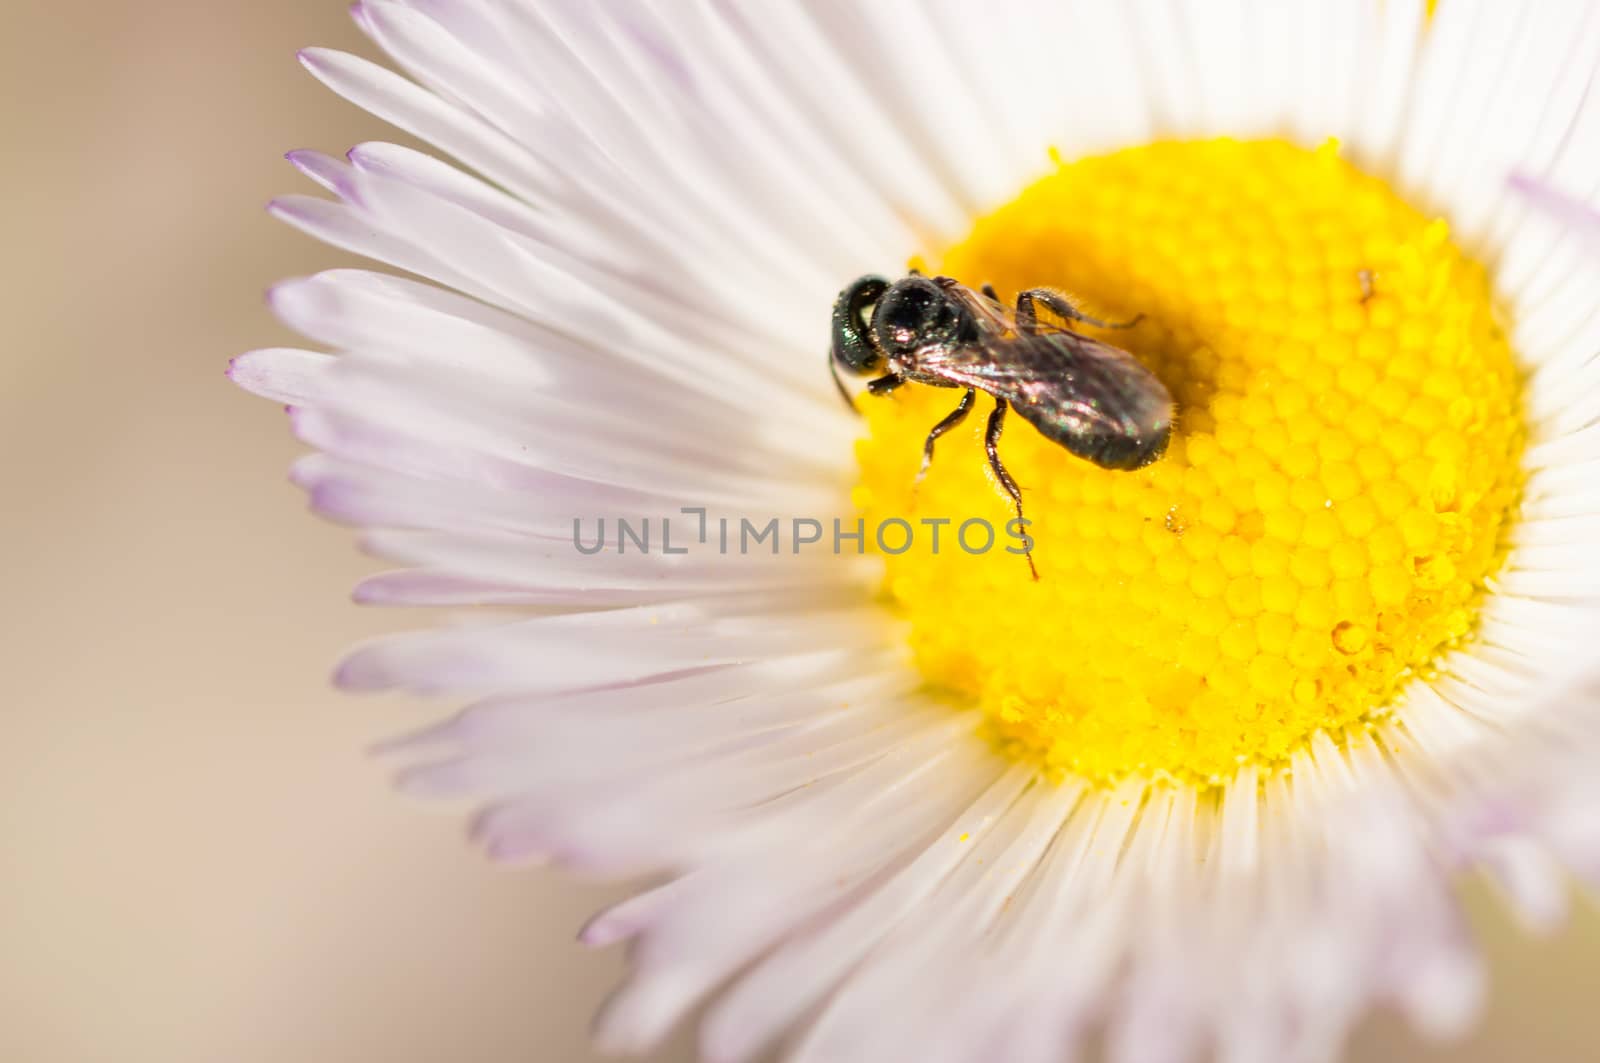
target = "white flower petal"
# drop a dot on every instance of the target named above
(424, 115)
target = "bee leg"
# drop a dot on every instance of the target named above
(1026, 317)
(991, 443)
(953, 418)
(885, 384)
(989, 293)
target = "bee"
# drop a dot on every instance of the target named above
(1094, 399)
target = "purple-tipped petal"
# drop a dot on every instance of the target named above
(282, 374)
(1562, 206)
(325, 170)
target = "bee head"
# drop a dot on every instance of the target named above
(854, 349)
(916, 312)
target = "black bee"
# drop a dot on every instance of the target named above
(1094, 399)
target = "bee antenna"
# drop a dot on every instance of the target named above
(838, 382)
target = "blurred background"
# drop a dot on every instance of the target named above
(198, 861)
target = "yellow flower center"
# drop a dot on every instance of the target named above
(1344, 464)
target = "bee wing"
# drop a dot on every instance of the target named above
(1096, 400)
(998, 317)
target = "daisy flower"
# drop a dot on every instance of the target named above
(1202, 788)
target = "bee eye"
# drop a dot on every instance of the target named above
(897, 312)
